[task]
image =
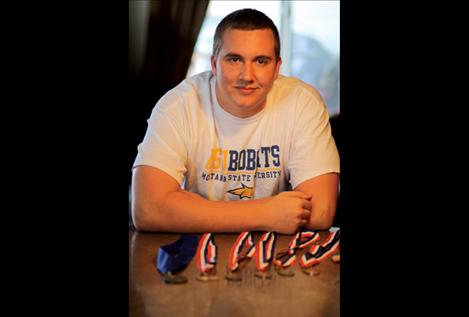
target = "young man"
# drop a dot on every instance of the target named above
(224, 147)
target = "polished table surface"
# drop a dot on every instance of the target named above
(300, 295)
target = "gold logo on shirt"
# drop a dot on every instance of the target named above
(243, 192)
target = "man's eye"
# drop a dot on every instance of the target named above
(233, 59)
(262, 61)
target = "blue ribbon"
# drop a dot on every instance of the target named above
(176, 256)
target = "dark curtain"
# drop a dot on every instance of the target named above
(173, 30)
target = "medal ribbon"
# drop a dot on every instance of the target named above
(176, 256)
(206, 253)
(244, 239)
(302, 239)
(317, 253)
(265, 250)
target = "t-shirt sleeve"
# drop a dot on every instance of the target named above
(163, 145)
(313, 151)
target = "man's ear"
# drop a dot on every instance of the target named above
(213, 63)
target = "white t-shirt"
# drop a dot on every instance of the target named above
(222, 157)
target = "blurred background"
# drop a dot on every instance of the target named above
(172, 40)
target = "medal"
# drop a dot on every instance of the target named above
(233, 275)
(287, 272)
(304, 238)
(265, 275)
(204, 277)
(286, 258)
(264, 255)
(169, 278)
(236, 275)
(283, 262)
(317, 253)
(175, 257)
(310, 271)
(238, 260)
(336, 258)
(244, 239)
(207, 258)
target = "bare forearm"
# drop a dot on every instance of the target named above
(322, 217)
(324, 192)
(182, 211)
(159, 204)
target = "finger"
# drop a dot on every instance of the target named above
(303, 222)
(307, 205)
(306, 214)
(297, 193)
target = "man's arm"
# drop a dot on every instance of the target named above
(324, 191)
(159, 204)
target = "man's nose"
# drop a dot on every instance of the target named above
(247, 72)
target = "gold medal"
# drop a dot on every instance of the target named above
(336, 258)
(169, 278)
(233, 275)
(310, 271)
(206, 277)
(263, 275)
(285, 271)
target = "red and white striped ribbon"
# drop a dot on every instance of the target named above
(265, 250)
(244, 239)
(206, 253)
(317, 253)
(303, 238)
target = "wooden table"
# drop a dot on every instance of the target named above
(300, 295)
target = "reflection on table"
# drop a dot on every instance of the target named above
(300, 295)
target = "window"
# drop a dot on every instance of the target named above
(309, 34)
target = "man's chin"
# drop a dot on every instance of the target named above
(248, 104)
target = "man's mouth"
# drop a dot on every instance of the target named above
(246, 90)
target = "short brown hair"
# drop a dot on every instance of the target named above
(245, 19)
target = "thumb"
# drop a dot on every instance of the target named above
(303, 195)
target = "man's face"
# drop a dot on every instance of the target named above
(245, 68)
